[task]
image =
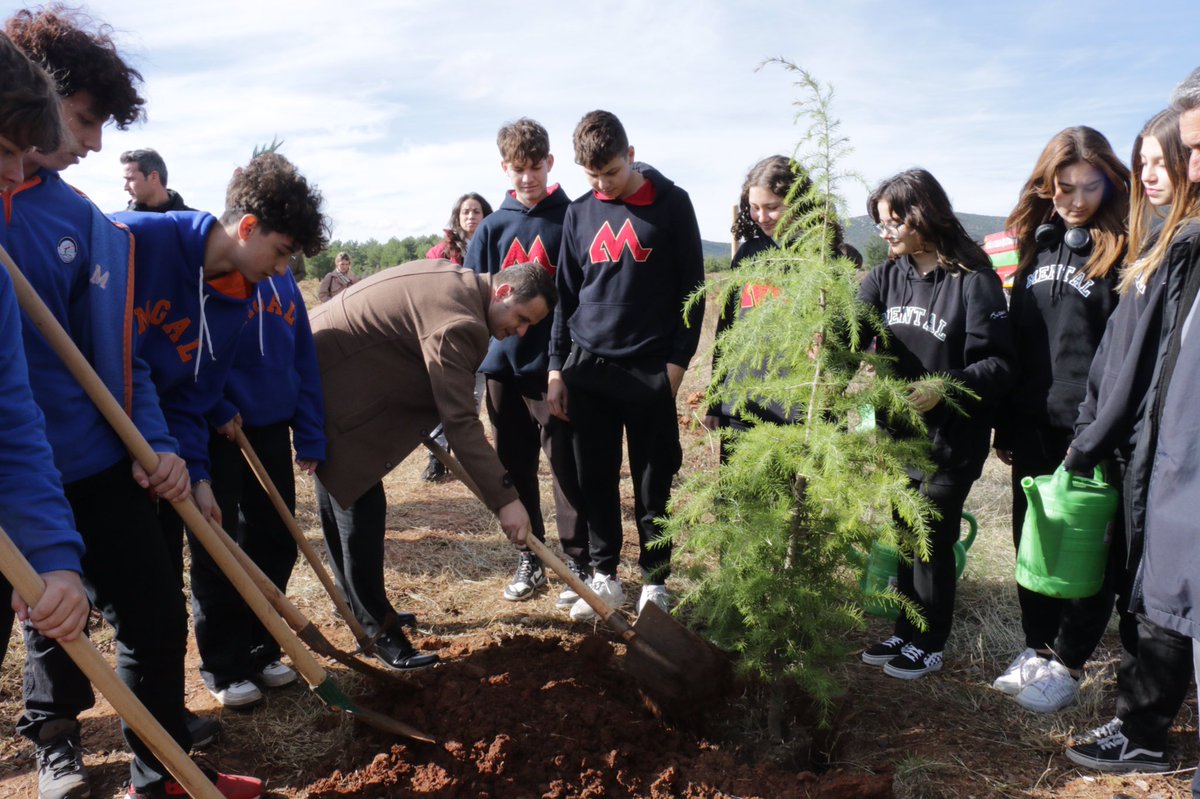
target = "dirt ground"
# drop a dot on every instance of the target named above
(527, 703)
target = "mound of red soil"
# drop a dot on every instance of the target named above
(547, 717)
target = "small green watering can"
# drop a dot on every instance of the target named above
(1064, 541)
(881, 564)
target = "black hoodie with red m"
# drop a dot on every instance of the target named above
(624, 271)
(947, 324)
(1058, 318)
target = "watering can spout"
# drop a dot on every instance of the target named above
(1034, 497)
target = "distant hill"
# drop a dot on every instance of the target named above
(861, 229)
(717, 249)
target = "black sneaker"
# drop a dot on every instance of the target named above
(528, 580)
(204, 731)
(1095, 734)
(61, 774)
(1117, 753)
(913, 662)
(882, 653)
(434, 472)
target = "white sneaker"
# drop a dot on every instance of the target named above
(567, 597)
(1019, 672)
(656, 594)
(242, 693)
(1051, 689)
(607, 588)
(277, 675)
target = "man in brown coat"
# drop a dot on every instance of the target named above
(398, 351)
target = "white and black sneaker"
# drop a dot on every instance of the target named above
(1105, 730)
(528, 579)
(882, 653)
(913, 662)
(1117, 753)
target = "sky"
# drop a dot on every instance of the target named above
(391, 106)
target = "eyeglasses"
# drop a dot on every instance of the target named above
(888, 228)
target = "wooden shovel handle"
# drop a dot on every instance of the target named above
(29, 586)
(608, 614)
(144, 454)
(310, 554)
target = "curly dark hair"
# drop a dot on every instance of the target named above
(30, 111)
(456, 237)
(272, 189)
(81, 56)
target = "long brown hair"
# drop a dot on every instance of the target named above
(456, 237)
(917, 199)
(1036, 206)
(1185, 200)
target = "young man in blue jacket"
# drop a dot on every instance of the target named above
(527, 228)
(33, 511)
(274, 392)
(80, 265)
(196, 288)
(620, 345)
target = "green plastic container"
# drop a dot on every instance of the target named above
(881, 565)
(1064, 541)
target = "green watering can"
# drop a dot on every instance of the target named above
(1064, 541)
(881, 564)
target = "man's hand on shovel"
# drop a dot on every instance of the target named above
(514, 520)
(62, 610)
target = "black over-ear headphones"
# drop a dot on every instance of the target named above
(1077, 239)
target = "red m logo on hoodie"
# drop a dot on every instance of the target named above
(517, 254)
(608, 247)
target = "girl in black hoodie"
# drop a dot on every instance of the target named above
(944, 310)
(1070, 226)
(1164, 228)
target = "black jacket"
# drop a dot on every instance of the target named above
(174, 203)
(1058, 318)
(955, 325)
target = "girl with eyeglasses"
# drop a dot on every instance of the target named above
(943, 307)
(1071, 228)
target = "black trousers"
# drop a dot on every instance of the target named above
(523, 428)
(129, 576)
(1071, 628)
(354, 535)
(237, 646)
(606, 398)
(933, 583)
(1152, 685)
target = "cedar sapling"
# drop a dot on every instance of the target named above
(774, 533)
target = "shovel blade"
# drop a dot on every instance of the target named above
(679, 672)
(332, 695)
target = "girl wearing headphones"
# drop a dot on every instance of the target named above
(1070, 225)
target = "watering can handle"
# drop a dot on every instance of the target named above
(1063, 475)
(972, 529)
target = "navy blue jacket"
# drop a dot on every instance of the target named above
(624, 271)
(515, 235)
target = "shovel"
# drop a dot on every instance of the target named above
(677, 670)
(29, 586)
(318, 680)
(310, 554)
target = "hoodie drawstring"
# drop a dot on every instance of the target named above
(203, 334)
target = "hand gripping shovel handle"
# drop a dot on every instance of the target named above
(289, 521)
(608, 615)
(144, 454)
(29, 585)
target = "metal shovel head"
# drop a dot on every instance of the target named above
(329, 693)
(678, 671)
